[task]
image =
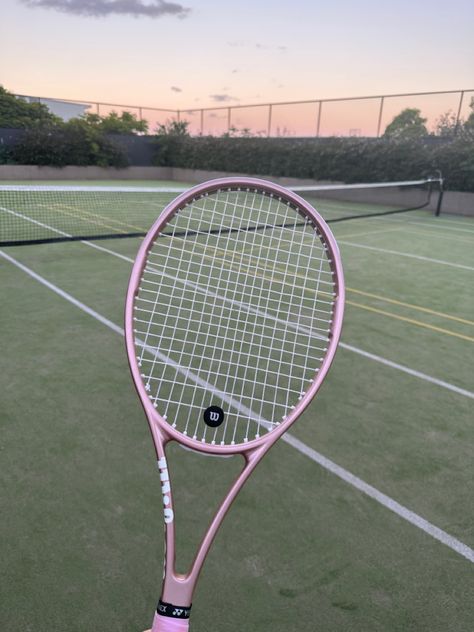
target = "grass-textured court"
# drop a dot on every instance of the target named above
(82, 523)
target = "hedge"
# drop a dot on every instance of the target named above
(72, 143)
(334, 159)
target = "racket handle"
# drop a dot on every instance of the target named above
(167, 624)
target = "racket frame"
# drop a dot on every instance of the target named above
(178, 588)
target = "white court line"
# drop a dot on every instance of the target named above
(403, 512)
(462, 221)
(35, 221)
(406, 254)
(365, 354)
(406, 369)
(441, 224)
(402, 223)
(438, 227)
(309, 332)
(369, 233)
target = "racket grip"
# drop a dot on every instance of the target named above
(167, 624)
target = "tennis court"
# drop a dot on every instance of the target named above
(361, 520)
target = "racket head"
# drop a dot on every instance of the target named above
(225, 192)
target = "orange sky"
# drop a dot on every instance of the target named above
(222, 54)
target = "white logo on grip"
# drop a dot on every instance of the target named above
(165, 489)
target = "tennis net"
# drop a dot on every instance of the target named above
(32, 214)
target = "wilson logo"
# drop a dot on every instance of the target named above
(165, 489)
(213, 416)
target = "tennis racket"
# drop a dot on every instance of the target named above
(233, 315)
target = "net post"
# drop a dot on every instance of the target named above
(439, 203)
(438, 179)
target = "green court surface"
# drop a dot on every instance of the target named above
(363, 525)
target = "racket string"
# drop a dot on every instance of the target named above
(237, 307)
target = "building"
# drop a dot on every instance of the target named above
(64, 109)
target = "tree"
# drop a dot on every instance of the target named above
(17, 113)
(173, 128)
(113, 123)
(447, 125)
(408, 124)
(469, 124)
(235, 132)
(170, 137)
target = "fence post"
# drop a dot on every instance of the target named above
(269, 128)
(379, 124)
(228, 119)
(458, 115)
(318, 126)
(202, 122)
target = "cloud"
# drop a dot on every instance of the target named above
(222, 98)
(265, 47)
(258, 45)
(102, 8)
(176, 89)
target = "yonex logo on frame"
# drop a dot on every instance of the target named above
(174, 612)
(181, 613)
(165, 489)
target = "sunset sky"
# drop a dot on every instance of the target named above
(198, 54)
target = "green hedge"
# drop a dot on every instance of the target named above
(72, 143)
(340, 159)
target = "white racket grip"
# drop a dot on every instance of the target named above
(167, 624)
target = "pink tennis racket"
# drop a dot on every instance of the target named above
(233, 315)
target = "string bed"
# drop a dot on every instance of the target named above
(231, 316)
